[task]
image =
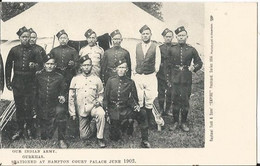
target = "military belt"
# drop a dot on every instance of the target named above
(118, 103)
(181, 67)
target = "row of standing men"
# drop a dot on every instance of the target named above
(70, 82)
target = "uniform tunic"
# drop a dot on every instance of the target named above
(120, 99)
(50, 85)
(84, 92)
(111, 57)
(180, 77)
(96, 54)
(23, 81)
(62, 55)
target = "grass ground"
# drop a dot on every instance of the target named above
(164, 139)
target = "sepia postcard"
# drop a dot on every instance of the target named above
(128, 83)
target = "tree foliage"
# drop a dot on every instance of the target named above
(11, 9)
(153, 8)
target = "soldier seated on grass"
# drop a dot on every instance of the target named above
(49, 105)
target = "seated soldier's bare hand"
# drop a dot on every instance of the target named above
(71, 63)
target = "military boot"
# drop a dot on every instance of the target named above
(174, 127)
(130, 127)
(101, 143)
(185, 127)
(17, 135)
(63, 144)
(145, 144)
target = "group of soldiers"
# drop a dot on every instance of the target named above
(96, 85)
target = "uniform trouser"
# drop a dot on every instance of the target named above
(48, 126)
(180, 99)
(162, 86)
(24, 114)
(85, 128)
(146, 86)
(116, 128)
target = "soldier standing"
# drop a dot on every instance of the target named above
(121, 103)
(37, 50)
(148, 60)
(180, 76)
(65, 57)
(112, 56)
(23, 82)
(94, 52)
(50, 95)
(86, 100)
(164, 92)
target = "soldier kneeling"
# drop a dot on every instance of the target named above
(50, 92)
(121, 104)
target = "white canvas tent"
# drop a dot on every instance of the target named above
(48, 18)
(75, 18)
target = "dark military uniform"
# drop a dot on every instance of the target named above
(23, 81)
(180, 77)
(40, 53)
(111, 56)
(161, 77)
(62, 55)
(120, 99)
(49, 86)
(1, 74)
